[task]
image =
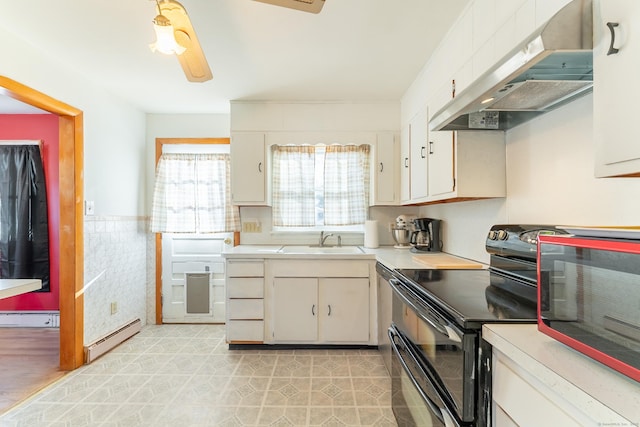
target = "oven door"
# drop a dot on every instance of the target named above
(415, 398)
(442, 356)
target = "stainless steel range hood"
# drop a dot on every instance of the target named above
(551, 68)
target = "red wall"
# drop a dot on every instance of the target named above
(40, 127)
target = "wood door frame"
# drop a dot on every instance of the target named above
(160, 142)
(71, 160)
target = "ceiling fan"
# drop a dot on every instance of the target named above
(175, 35)
(313, 6)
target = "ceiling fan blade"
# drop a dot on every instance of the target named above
(313, 6)
(193, 62)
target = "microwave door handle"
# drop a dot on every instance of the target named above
(437, 411)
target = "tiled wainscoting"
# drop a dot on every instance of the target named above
(185, 375)
(115, 271)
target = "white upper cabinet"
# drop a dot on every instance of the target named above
(441, 167)
(617, 150)
(248, 169)
(418, 168)
(386, 180)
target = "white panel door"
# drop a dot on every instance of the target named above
(192, 253)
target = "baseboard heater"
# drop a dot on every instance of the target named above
(103, 345)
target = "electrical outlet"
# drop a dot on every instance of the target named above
(391, 225)
(114, 307)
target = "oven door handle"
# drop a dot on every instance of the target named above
(425, 313)
(441, 413)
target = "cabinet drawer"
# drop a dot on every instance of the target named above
(245, 269)
(250, 287)
(245, 331)
(314, 268)
(245, 309)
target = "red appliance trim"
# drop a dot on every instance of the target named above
(609, 245)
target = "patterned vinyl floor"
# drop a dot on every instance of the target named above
(185, 375)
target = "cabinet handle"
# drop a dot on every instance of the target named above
(329, 310)
(422, 152)
(612, 50)
(406, 162)
(313, 310)
(260, 167)
(381, 167)
(430, 147)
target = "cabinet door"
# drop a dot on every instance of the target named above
(385, 181)
(441, 163)
(248, 169)
(295, 310)
(419, 160)
(344, 310)
(614, 90)
(405, 161)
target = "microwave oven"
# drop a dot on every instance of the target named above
(589, 297)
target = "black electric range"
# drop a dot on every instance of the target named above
(437, 318)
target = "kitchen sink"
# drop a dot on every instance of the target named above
(315, 249)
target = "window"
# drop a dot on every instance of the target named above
(320, 186)
(192, 195)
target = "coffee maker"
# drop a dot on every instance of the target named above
(426, 237)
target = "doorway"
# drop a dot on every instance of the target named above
(174, 291)
(71, 217)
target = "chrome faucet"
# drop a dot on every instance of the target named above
(323, 238)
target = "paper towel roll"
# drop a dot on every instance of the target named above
(371, 233)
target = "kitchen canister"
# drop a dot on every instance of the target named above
(371, 233)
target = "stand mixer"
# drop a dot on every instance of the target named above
(402, 232)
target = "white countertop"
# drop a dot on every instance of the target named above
(560, 367)
(12, 287)
(388, 255)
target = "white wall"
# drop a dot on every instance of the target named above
(114, 178)
(113, 129)
(550, 180)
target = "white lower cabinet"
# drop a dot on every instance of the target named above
(327, 310)
(309, 304)
(523, 395)
(295, 309)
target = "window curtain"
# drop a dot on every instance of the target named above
(192, 194)
(24, 228)
(346, 184)
(293, 192)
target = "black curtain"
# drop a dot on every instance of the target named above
(24, 229)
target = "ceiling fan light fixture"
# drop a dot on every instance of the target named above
(165, 37)
(175, 35)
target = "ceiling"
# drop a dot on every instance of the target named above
(353, 50)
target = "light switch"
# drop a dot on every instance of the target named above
(89, 207)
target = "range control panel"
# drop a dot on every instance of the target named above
(519, 240)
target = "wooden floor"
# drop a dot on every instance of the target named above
(29, 361)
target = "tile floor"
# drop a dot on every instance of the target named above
(185, 375)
